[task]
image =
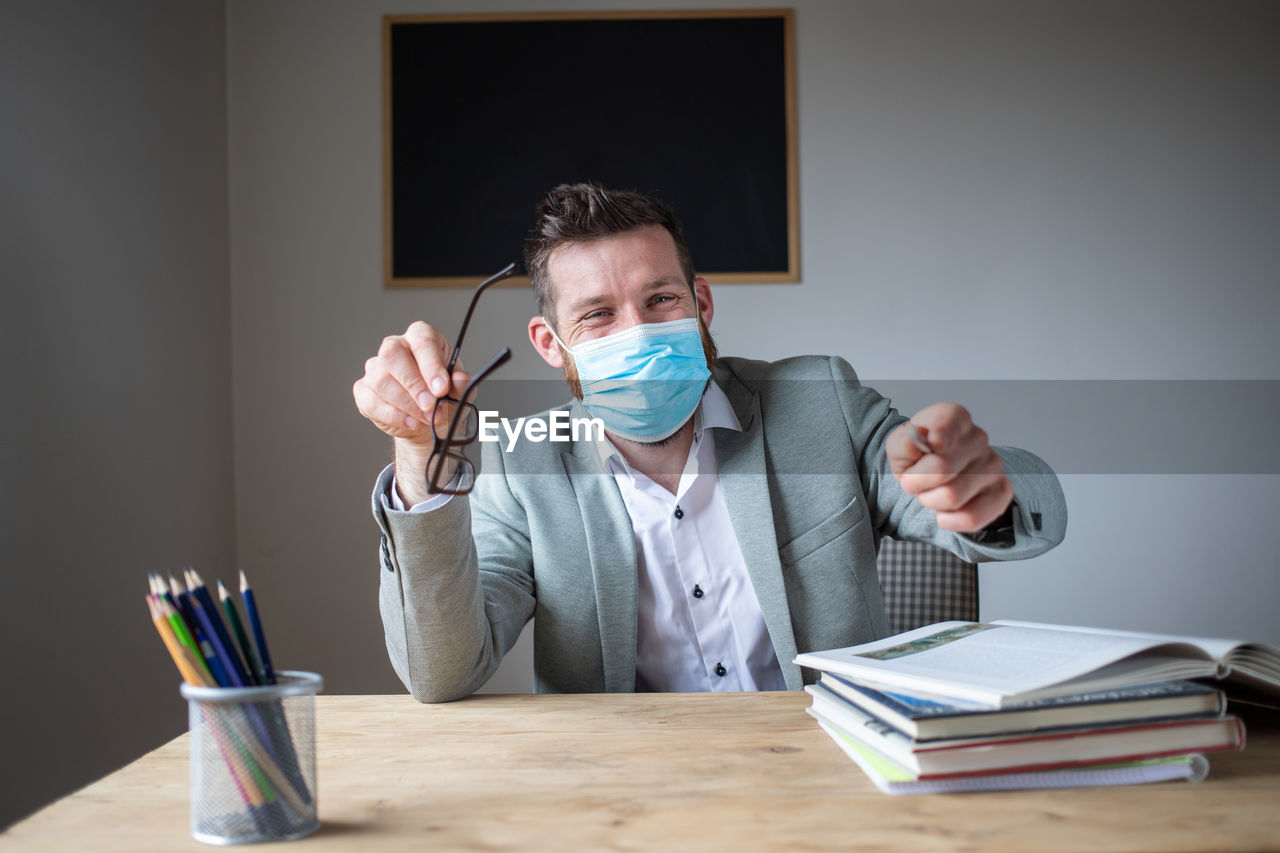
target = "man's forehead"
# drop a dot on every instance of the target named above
(589, 271)
(584, 296)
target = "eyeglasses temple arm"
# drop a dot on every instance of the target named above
(475, 297)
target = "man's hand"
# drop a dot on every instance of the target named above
(950, 468)
(398, 393)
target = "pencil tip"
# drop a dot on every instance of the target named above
(244, 582)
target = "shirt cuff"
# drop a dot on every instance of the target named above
(999, 533)
(433, 502)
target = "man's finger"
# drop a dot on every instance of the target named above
(943, 425)
(941, 467)
(431, 352)
(958, 490)
(985, 508)
(904, 447)
(392, 420)
(391, 389)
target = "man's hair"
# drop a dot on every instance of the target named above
(578, 213)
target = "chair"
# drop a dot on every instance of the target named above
(923, 584)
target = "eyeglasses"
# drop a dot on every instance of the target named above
(460, 415)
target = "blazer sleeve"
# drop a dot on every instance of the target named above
(450, 611)
(1040, 522)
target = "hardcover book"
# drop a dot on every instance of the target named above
(930, 717)
(1026, 751)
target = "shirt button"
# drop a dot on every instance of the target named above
(721, 671)
(679, 513)
(697, 591)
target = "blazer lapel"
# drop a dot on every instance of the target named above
(744, 478)
(611, 549)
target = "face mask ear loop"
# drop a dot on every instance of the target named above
(562, 344)
(697, 308)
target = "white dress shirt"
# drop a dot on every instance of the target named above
(699, 626)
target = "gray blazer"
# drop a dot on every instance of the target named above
(545, 535)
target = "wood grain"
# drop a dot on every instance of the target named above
(656, 771)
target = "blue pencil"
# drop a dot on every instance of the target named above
(183, 599)
(225, 647)
(219, 647)
(280, 722)
(251, 610)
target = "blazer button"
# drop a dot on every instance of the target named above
(721, 671)
(679, 513)
(697, 591)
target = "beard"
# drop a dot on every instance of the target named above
(570, 371)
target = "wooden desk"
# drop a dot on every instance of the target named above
(723, 772)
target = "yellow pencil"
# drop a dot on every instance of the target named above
(181, 655)
(184, 637)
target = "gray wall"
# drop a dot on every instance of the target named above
(990, 192)
(115, 334)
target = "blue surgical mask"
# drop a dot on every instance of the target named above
(645, 382)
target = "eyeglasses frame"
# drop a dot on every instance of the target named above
(441, 449)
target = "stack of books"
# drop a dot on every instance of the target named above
(966, 706)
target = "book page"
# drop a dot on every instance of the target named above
(1002, 658)
(1216, 648)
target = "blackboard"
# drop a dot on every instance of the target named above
(484, 114)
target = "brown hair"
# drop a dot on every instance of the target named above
(578, 213)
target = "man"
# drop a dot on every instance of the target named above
(729, 521)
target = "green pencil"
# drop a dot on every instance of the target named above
(160, 591)
(246, 648)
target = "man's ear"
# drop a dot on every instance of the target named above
(543, 341)
(702, 291)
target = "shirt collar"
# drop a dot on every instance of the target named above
(713, 412)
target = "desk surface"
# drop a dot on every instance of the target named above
(649, 771)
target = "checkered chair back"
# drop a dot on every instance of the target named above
(923, 584)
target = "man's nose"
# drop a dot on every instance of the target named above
(631, 316)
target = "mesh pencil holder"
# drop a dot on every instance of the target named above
(253, 760)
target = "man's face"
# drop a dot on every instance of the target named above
(608, 285)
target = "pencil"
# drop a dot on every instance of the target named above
(207, 613)
(245, 780)
(205, 618)
(183, 604)
(237, 627)
(253, 770)
(181, 655)
(255, 623)
(184, 637)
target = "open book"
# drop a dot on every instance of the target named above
(1001, 662)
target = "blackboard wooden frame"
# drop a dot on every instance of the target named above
(747, 227)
